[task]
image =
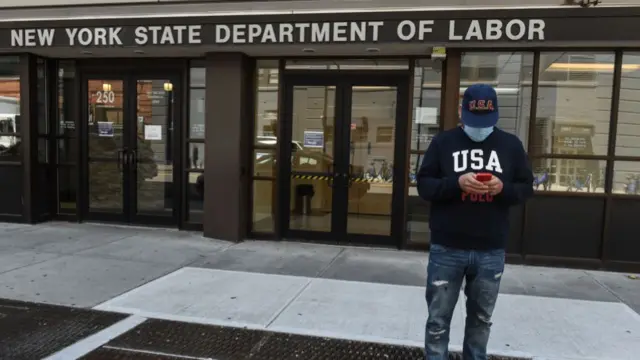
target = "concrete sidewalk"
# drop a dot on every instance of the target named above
(352, 293)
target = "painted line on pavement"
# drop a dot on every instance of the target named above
(155, 353)
(92, 342)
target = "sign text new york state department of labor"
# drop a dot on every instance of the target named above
(285, 33)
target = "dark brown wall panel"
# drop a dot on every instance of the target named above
(229, 114)
(564, 226)
(516, 220)
(623, 243)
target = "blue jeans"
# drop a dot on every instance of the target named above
(481, 272)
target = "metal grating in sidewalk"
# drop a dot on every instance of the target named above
(160, 339)
(34, 331)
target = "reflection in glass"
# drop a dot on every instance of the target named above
(628, 135)
(417, 218)
(105, 186)
(195, 195)
(577, 175)
(10, 148)
(425, 125)
(313, 126)
(264, 163)
(66, 99)
(196, 103)
(510, 73)
(105, 118)
(426, 103)
(415, 160)
(153, 157)
(196, 156)
(266, 119)
(10, 109)
(264, 191)
(626, 178)
(371, 153)
(574, 103)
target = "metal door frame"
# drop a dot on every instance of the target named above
(344, 81)
(129, 214)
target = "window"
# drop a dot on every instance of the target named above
(573, 104)
(626, 174)
(10, 140)
(479, 67)
(266, 117)
(425, 125)
(266, 137)
(573, 111)
(195, 143)
(384, 134)
(510, 74)
(626, 178)
(579, 175)
(46, 173)
(66, 157)
(628, 133)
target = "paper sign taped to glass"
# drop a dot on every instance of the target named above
(153, 132)
(313, 139)
(105, 128)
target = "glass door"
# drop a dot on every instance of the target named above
(132, 142)
(371, 139)
(315, 141)
(338, 159)
(107, 141)
(152, 151)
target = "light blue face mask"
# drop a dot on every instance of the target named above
(477, 134)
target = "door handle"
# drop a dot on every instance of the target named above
(349, 179)
(134, 157)
(120, 158)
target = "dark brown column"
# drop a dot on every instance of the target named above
(229, 117)
(29, 135)
(451, 93)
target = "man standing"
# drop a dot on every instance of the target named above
(471, 175)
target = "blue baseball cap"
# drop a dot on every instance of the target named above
(480, 106)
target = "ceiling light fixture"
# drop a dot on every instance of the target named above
(590, 67)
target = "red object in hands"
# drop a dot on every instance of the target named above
(484, 177)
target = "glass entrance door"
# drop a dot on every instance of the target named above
(338, 162)
(131, 144)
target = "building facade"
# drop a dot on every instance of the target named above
(308, 120)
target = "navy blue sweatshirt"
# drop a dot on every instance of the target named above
(465, 221)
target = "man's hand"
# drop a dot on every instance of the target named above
(495, 185)
(469, 184)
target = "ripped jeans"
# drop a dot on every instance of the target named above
(481, 272)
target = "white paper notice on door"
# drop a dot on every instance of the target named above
(153, 132)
